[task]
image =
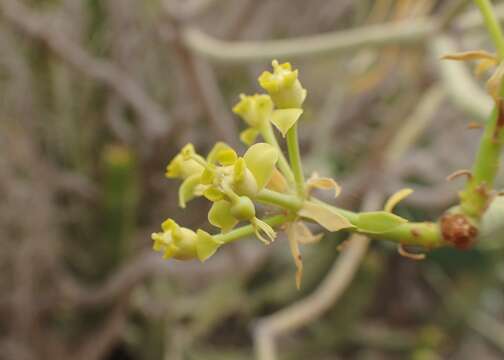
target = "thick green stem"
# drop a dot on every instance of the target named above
(425, 234)
(248, 230)
(492, 25)
(269, 136)
(476, 195)
(295, 159)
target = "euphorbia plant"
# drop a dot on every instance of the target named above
(263, 175)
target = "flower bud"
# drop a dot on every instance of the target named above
(255, 110)
(183, 165)
(175, 241)
(243, 208)
(283, 86)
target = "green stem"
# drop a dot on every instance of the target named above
(286, 201)
(269, 136)
(492, 25)
(295, 159)
(475, 197)
(248, 230)
(425, 234)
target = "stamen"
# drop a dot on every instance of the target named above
(263, 231)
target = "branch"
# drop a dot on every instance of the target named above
(149, 264)
(406, 32)
(156, 122)
(403, 32)
(103, 339)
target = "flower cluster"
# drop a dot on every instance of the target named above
(235, 184)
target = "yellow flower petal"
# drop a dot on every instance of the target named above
(187, 189)
(249, 136)
(217, 148)
(396, 198)
(183, 165)
(213, 194)
(220, 216)
(284, 119)
(255, 110)
(261, 159)
(325, 216)
(169, 225)
(227, 157)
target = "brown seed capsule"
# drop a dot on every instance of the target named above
(458, 230)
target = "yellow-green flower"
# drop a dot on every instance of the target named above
(184, 164)
(184, 244)
(256, 111)
(243, 176)
(175, 241)
(190, 166)
(232, 185)
(283, 86)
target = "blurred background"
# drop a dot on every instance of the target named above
(96, 96)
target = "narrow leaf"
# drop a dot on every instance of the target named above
(377, 222)
(325, 216)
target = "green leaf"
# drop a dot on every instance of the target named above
(377, 222)
(284, 119)
(325, 216)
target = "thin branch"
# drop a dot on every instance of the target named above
(149, 264)
(103, 339)
(316, 45)
(155, 121)
(410, 31)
